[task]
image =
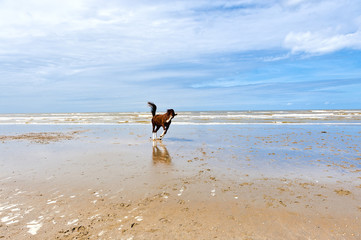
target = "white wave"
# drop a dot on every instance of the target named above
(268, 123)
(189, 118)
(191, 123)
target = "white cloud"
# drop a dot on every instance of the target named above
(320, 43)
(20, 19)
(144, 30)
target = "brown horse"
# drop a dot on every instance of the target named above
(161, 120)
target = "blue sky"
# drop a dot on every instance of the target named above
(100, 56)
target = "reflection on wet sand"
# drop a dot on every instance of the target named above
(161, 154)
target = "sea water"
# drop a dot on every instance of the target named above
(299, 117)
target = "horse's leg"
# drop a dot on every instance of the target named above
(165, 129)
(155, 132)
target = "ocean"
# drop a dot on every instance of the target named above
(298, 117)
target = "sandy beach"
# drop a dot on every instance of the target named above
(262, 99)
(200, 182)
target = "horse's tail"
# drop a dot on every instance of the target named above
(153, 107)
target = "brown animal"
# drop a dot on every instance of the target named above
(161, 120)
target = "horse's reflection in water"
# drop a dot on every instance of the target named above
(160, 154)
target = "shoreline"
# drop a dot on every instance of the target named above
(341, 117)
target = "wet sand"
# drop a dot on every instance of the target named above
(200, 182)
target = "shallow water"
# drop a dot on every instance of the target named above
(318, 152)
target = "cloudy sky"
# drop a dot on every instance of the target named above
(100, 56)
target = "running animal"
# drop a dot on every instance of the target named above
(161, 120)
